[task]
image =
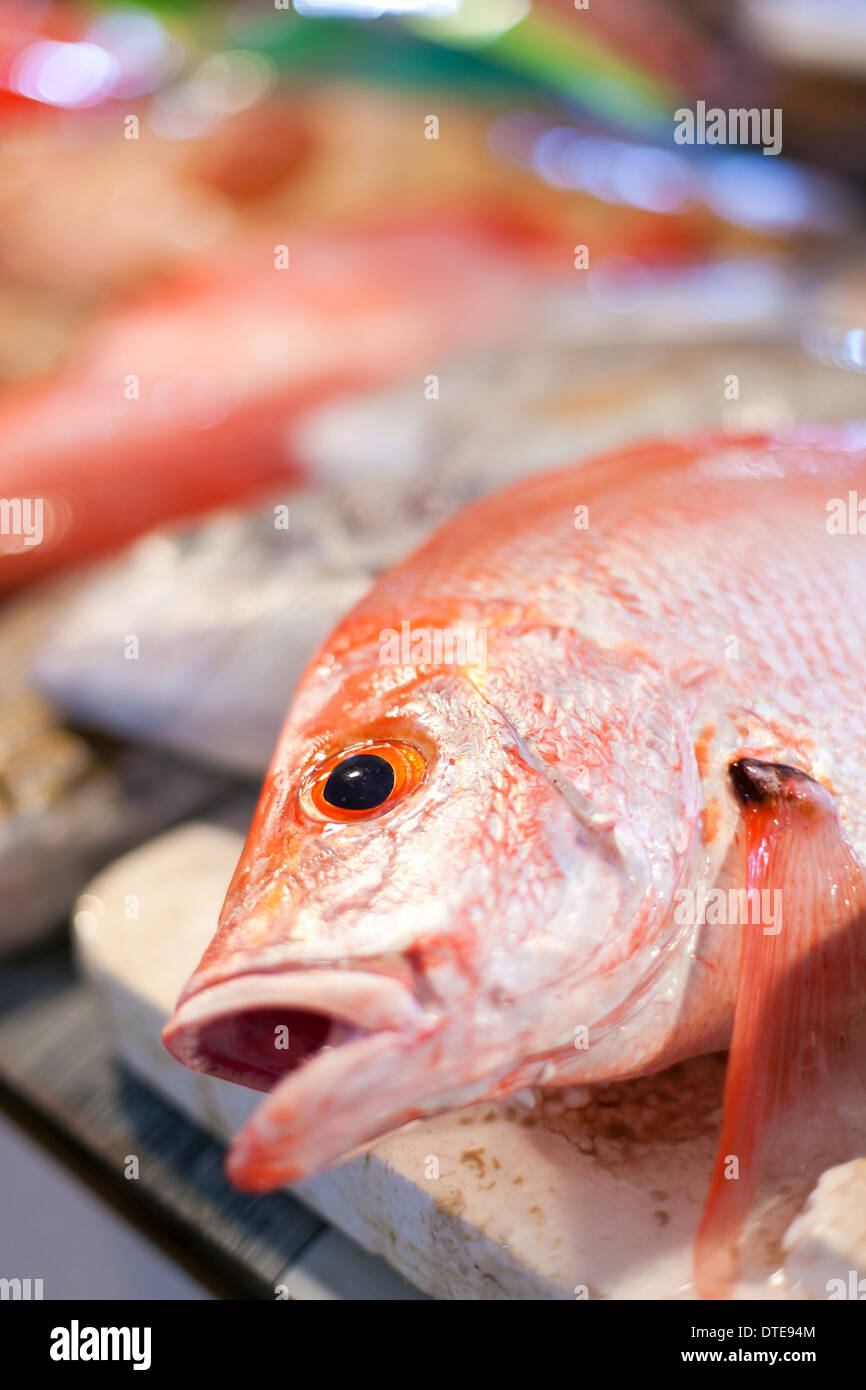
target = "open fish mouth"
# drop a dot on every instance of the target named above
(255, 1028)
(306, 1036)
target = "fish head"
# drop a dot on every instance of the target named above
(426, 913)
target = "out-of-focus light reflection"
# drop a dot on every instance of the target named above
(837, 347)
(64, 74)
(614, 170)
(829, 35)
(221, 85)
(855, 348)
(374, 9)
(548, 155)
(848, 435)
(145, 54)
(742, 188)
(177, 113)
(89, 916)
(476, 22)
(734, 291)
(651, 179)
(230, 82)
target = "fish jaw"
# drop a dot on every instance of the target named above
(254, 1028)
(343, 1095)
(358, 1056)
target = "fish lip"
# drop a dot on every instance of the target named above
(286, 963)
(272, 1148)
(333, 1107)
(365, 1002)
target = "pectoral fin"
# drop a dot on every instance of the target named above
(800, 979)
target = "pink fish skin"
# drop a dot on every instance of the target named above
(184, 398)
(502, 898)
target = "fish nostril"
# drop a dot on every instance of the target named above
(258, 1046)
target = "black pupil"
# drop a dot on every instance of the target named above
(360, 783)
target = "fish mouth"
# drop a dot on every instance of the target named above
(302, 1035)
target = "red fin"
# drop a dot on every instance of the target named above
(797, 988)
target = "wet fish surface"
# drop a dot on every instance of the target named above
(481, 861)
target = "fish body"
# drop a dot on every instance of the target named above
(517, 901)
(185, 398)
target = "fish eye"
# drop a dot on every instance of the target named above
(361, 782)
(364, 781)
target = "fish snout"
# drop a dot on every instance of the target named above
(256, 1028)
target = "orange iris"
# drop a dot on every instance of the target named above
(364, 781)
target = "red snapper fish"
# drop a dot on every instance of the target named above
(185, 397)
(574, 793)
